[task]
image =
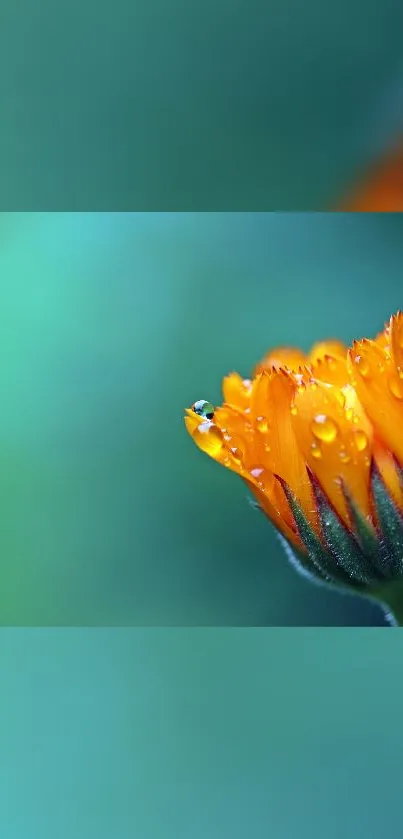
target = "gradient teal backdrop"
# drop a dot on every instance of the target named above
(177, 105)
(110, 325)
(209, 734)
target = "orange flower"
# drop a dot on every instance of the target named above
(381, 190)
(319, 441)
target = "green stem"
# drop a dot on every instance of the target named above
(390, 597)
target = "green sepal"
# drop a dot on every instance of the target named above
(366, 536)
(322, 559)
(304, 564)
(339, 541)
(390, 524)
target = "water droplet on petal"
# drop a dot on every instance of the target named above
(262, 424)
(395, 387)
(236, 454)
(203, 409)
(316, 451)
(259, 474)
(294, 410)
(257, 471)
(324, 428)
(363, 366)
(344, 456)
(360, 440)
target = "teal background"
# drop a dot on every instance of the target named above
(204, 733)
(163, 105)
(110, 324)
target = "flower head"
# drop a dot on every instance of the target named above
(381, 190)
(319, 441)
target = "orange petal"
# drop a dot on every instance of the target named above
(336, 443)
(271, 415)
(274, 514)
(331, 370)
(290, 357)
(396, 341)
(382, 189)
(236, 391)
(374, 376)
(334, 349)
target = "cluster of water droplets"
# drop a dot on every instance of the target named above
(394, 379)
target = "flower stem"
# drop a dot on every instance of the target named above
(391, 600)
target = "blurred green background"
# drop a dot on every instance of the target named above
(110, 324)
(156, 105)
(209, 734)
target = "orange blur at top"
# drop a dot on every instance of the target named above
(381, 191)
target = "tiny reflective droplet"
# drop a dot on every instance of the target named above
(262, 424)
(236, 454)
(395, 388)
(294, 410)
(257, 471)
(203, 409)
(362, 365)
(324, 428)
(344, 456)
(316, 451)
(360, 440)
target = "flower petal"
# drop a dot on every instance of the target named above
(236, 391)
(271, 416)
(334, 349)
(396, 341)
(290, 357)
(336, 443)
(374, 376)
(382, 190)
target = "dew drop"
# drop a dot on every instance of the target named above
(294, 410)
(236, 454)
(267, 447)
(324, 428)
(363, 366)
(256, 471)
(262, 424)
(316, 451)
(360, 440)
(395, 388)
(203, 409)
(344, 456)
